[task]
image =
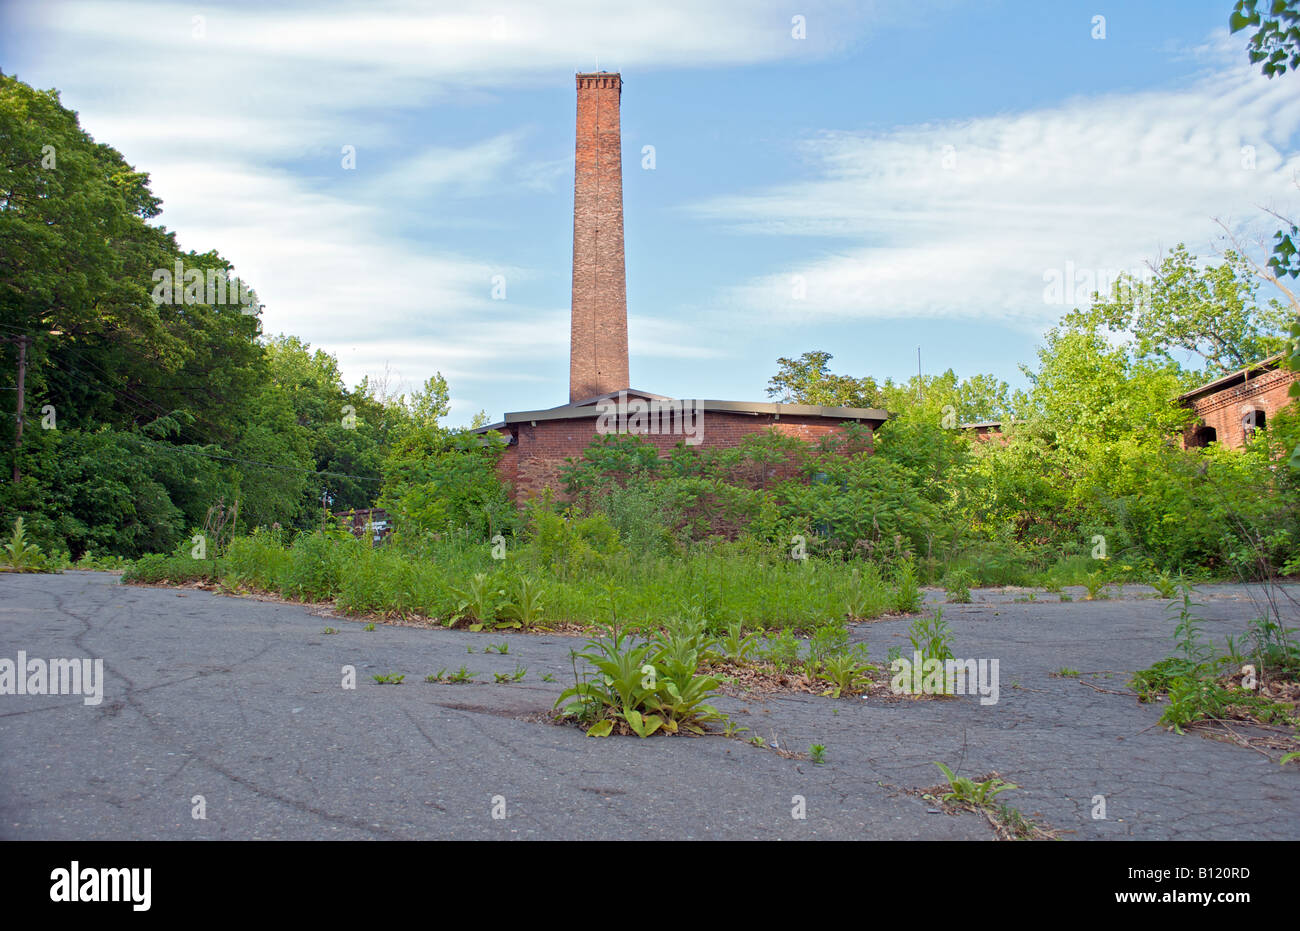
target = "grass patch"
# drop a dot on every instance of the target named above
(460, 584)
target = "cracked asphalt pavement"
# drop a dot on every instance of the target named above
(240, 701)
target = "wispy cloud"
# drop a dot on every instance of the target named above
(225, 105)
(965, 219)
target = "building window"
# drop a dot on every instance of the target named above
(1254, 420)
(1203, 436)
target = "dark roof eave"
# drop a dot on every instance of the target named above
(575, 412)
(1209, 387)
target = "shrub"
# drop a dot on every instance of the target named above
(958, 587)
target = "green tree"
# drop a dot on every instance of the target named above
(1276, 43)
(1088, 393)
(808, 380)
(431, 403)
(154, 371)
(1213, 311)
(947, 400)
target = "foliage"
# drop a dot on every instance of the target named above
(738, 646)
(965, 789)
(166, 399)
(1213, 311)
(1190, 678)
(957, 586)
(647, 686)
(868, 595)
(931, 637)
(1276, 41)
(847, 672)
(21, 556)
(909, 596)
(526, 605)
(438, 482)
(480, 601)
(807, 380)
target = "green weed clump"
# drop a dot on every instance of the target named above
(21, 556)
(1193, 681)
(647, 686)
(957, 587)
(967, 790)
(908, 597)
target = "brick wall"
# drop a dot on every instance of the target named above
(532, 463)
(598, 338)
(1225, 410)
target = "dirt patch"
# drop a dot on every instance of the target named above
(768, 679)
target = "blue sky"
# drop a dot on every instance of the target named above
(920, 167)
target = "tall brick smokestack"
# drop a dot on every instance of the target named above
(598, 340)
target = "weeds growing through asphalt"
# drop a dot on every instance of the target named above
(21, 556)
(981, 796)
(931, 637)
(458, 677)
(908, 597)
(1248, 684)
(516, 676)
(643, 686)
(957, 587)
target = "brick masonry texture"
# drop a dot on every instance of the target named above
(598, 341)
(532, 463)
(1225, 410)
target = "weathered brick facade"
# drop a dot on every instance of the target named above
(538, 448)
(598, 343)
(1227, 408)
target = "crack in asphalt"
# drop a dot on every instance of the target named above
(376, 760)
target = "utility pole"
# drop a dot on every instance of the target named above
(22, 342)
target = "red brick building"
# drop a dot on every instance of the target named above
(539, 441)
(1229, 408)
(989, 431)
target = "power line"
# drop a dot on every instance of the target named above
(135, 399)
(160, 411)
(268, 465)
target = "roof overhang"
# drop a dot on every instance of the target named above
(1227, 381)
(585, 410)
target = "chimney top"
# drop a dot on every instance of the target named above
(599, 79)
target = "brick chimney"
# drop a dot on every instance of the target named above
(598, 340)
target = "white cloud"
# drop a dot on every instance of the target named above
(230, 108)
(666, 338)
(965, 219)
